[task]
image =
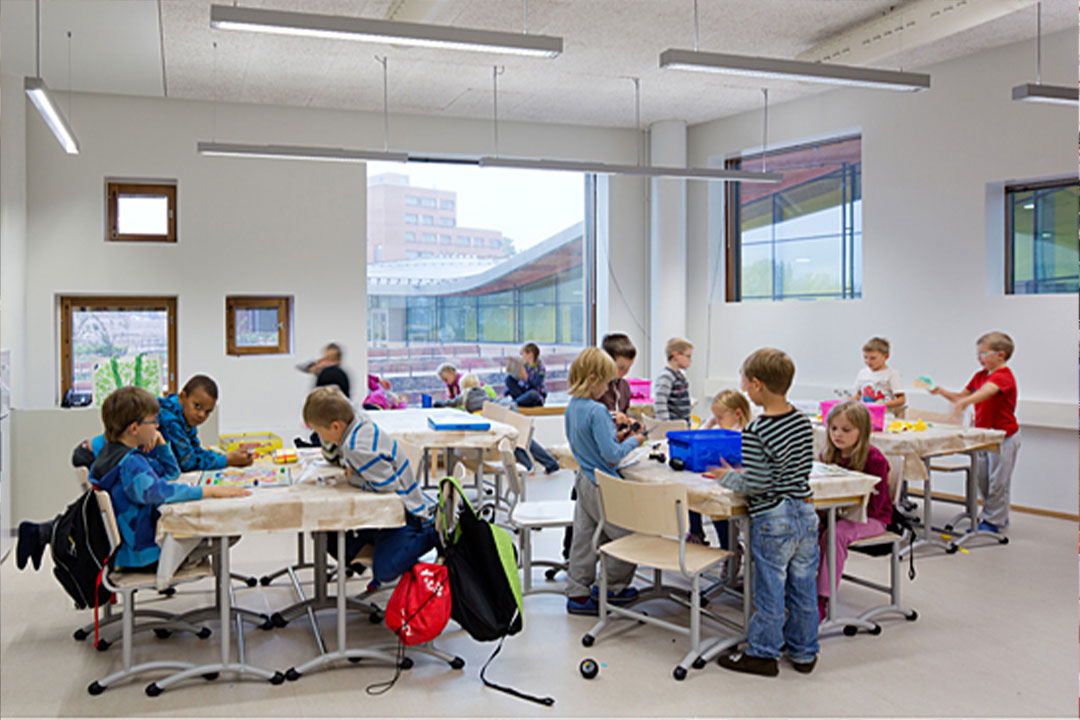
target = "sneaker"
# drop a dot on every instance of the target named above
(804, 667)
(27, 547)
(741, 662)
(588, 606)
(696, 539)
(624, 597)
(988, 527)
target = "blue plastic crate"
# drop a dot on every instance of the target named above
(425, 400)
(701, 449)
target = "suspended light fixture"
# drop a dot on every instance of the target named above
(773, 68)
(297, 152)
(1037, 92)
(43, 100)
(224, 17)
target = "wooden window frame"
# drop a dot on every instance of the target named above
(240, 302)
(113, 189)
(69, 302)
(1010, 248)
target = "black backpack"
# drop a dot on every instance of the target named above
(80, 550)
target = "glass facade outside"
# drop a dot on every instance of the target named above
(1043, 228)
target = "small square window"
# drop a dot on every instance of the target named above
(410, 218)
(427, 220)
(257, 325)
(140, 212)
(446, 204)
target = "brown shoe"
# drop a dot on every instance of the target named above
(805, 667)
(741, 662)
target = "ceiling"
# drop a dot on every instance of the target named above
(166, 47)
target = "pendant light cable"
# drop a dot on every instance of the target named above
(383, 60)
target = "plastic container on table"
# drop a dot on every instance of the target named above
(425, 400)
(701, 449)
(640, 389)
(877, 413)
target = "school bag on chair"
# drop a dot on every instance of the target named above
(81, 551)
(485, 589)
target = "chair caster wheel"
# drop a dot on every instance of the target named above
(264, 580)
(550, 573)
(588, 640)
(1004, 541)
(699, 663)
(162, 633)
(349, 572)
(277, 620)
(80, 634)
(679, 673)
(951, 550)
(355, 660)
(152, 689)
(291, 674)
(95, 688)
(102, 645)
(167, 592)
(375, 618)
(266, 624)
(203, 633)
(252, 582)
(278, 678)
(876, 630)
(912, 617)
(211, 676)
(457, 663)
(850, 630)
(406, 663)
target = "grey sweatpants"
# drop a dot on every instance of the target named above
(587, 515)
(993, 477)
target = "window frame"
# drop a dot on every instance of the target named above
(113, 302)
(115, 188)
(283, 303)
(1010, 248)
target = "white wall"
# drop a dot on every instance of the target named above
(927, 160)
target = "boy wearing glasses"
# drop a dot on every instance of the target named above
(993, 392)
(134, 467)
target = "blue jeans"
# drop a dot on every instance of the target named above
(522, 395)
(396, 549)
(783, 543)
(542, 456)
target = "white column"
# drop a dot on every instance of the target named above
(667, 241)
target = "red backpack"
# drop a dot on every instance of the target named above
(420, 605)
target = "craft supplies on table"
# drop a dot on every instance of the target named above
(258, 444)
(256, 476)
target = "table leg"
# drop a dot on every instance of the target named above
(928, 538)
(831, 622)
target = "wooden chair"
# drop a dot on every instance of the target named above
(529, 516)
(656, 515)
(894, 542)
(126, 583)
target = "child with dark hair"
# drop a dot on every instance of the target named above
(181, 413)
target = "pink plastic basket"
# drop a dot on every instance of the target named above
(640, 390)
(877, 413)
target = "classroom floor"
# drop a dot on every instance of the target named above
(995, 637)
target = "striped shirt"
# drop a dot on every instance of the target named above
(778, 453)
(374, 463)
(671, 395)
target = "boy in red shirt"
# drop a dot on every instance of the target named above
(993, 392)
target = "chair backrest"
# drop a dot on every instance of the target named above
(506, 453)
(896, 476)
(493, 411)
(647, 508)
(522, 423)
(108, 516)
(82, 477)
(658, 429)
(415, 455)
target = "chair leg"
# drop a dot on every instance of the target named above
(526, 560)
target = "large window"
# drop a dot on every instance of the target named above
(482, 298)
(1041, 229)
(95, 330)
(800, 239)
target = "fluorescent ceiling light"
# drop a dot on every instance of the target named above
(297, 152)
(1052, 94)
(644, 170)
(43, 100)
(224, 17)
(793, 70)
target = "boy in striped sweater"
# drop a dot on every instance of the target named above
(671, 390)
(778, 453)
(373, 462)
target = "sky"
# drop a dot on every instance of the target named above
(528, 206)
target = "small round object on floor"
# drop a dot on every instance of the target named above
(203, 633)
(912, 617)
(292, 675)
(211, 676)
(876, 630)
(80, 634)
(277, 679)
(948, 528)
(589, 669)
(951, 550)
(850, 630)
(588, 640)
(1004, 541)
(457, 663)
(406, 663)
(95, 688)
(153, 690)
(102, 645)
(679, 673)
(162, 633)
(677, 464)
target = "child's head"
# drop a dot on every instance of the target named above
(679, 351)
(994, 349)
(731, 409)
(621, 350)
(328, 412)
(767, 371)
(530, 353)
(590, 373)
(848, 434)
(875, 352)
(470, 381)
(129, 415)
(333, 354)
(198, 398)
(447, 373)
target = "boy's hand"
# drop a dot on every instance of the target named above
(239, 458)
(225, 491)
(725, 467)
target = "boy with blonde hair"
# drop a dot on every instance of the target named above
(778, 453)
(877, 382)
(372, 462)
(671, 390)
(993, 392)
